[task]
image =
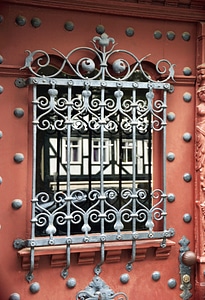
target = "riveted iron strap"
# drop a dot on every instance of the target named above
(100, 99)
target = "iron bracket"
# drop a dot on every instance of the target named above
(185, 271)
(97, 289)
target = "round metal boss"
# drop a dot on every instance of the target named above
(71, 283)
(170, 156)
(171, 116)
(18, 157)
(14, 296)
(17, 203)
(172, 283)
(20, 20)
(18, 112)
(187, 177)
(100, 29)
(1, 19)
(1, 134)
(187, 71)
(1, 59)
(171, 197)
(187, 137)
(34, 288)
(187, 218)
(69, 26)
(157, 34)
(35, 22)
(187, 97)
(1, 180)
(129, 31)
(1, 89)
(186, 36)
(171, 35)
(156, 276)
(124, 278)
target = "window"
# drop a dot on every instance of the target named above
(93, 131)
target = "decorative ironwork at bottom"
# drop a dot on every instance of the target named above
(99, 290)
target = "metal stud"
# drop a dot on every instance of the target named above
(1, 89)
(186, 36)
(100, 29)
(187, 137)
(156, 276)
(1, 180)
(34, 288)
(187, 177)
(187, 71)
(170, 156)
(17, 203)
(1, 19)
(157, 34)
(20, 20)
(1, 134)
(1, 59)
(69, 26)
(171, 197)
(124, 278)
(18, 157)
(35, 22)
(172, 283)
(129, 31)
(19, 112)
(187, 97)
(171, 35)
(187, 218)
(71, 283)
(171, 116)
(14, 296)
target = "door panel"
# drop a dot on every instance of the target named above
(155, 271)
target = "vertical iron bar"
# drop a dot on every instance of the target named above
(64, 272)
(164, 155)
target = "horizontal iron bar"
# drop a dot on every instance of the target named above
(64, 240)
(97, 83)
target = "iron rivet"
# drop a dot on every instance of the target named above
(170, 156)
(129, 31)
(171, 35)
(1, 134)
(172, 283)
(186, 36)
(156, 276)
(171, 197)
(69, 26)
(1, 59)
(71, 283)
(187, 137)
(187, 71)
(204, 272)
(17, 203)
(157, 34)
(20, 20)
(100, 29)
(171, 116)
(34, 287)
(19, 112)
(187, 97)
(1, 19)
(1, 89)
(124, 278)
(187, 177)
(35, 22)
(18, 157)
(187, 218)
(1, 180)
(14, 296)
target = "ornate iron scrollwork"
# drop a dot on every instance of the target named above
(99, 290)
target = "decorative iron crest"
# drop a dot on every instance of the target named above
(101, 61)
(98, 289)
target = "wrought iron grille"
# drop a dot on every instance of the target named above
(83, 106)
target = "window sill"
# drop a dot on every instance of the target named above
(86, 253)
